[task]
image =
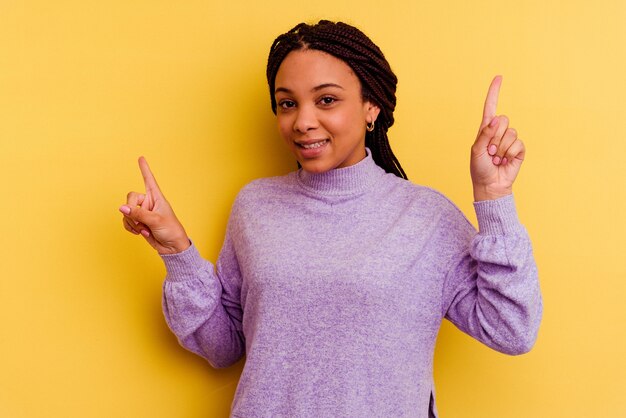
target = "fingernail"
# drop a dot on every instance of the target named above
(145, 233)
(496, 160)
(492, 149)
(504, 161)
(125, 209)
(493, 122)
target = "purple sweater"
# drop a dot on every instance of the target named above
(334, 286)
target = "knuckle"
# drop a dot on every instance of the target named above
(490, 130)
(477, 150)
(130, 196)
(514, 149)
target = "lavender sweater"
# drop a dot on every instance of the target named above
(334, 286)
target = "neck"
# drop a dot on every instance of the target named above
(354, 179)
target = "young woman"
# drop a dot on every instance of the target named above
(333, 280)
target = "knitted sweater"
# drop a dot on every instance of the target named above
(334, 286)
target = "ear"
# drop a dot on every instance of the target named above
(372, 110)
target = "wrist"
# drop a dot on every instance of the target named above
(181, 242)
(482, 192)
(177, 247)
(182, 245)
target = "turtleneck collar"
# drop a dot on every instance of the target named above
(351, 180)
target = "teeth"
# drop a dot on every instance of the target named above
(314, 145)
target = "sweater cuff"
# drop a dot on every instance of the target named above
(183, 265)
(497, 217)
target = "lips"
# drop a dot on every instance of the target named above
(312, 144)
(312, 148)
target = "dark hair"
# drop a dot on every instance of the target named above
(378, 82)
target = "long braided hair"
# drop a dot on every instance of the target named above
(378, 82)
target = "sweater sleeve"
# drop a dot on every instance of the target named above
(492, 290)
(201, 304)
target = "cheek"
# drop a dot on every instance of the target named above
(338, 122)
(347, 123)
(283, 127)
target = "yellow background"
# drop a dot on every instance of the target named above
(86, 87)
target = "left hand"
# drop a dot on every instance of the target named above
(497, 153)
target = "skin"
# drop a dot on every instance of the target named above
(150, 215)
(497, 154)
(319, 98)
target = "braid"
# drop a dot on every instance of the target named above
(378, 82)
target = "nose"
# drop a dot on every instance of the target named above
(306, 119)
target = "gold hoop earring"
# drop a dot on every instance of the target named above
(370, 126)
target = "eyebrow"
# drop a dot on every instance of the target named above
(314, 89)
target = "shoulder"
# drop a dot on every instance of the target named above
(427, 202)
(438, 201)
(423, 196)
(265, 190)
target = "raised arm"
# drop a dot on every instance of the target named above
(492, 289)
(200, 303)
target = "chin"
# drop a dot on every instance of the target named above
(316, 167)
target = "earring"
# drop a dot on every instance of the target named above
(370, 126)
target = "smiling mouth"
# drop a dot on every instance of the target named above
(314, 144)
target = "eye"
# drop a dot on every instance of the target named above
(286, 104)
(327, 100)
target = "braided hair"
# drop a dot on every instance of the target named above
(378, 82)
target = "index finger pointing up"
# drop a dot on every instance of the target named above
(148, 177)
(491, 102)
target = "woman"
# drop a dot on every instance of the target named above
(334, 279)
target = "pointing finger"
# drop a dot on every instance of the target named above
(491, 102)
(148, 178)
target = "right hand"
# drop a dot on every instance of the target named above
(151, 216)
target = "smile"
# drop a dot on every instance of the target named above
(314, 144)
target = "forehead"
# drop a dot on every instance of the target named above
(310, 68)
